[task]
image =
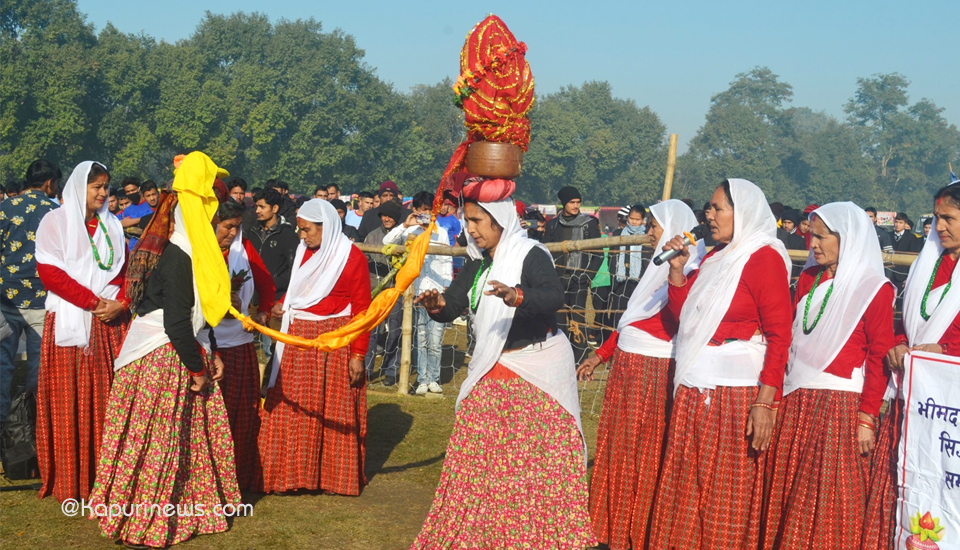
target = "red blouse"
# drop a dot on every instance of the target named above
(63, 285)
(868, 344)
(262, 280)
(950, 341)
(353, 289)
(761, 302)
(662, 325)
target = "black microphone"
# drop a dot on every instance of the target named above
(665, 256)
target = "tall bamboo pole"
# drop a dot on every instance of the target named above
(671, 164)
(406, 342)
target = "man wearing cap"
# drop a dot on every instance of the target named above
(387, 333)
(576, 268)
(371, 218)
(787, 233)
(348, 230)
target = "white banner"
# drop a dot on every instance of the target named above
(928, 509)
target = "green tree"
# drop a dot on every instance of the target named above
(611, 149)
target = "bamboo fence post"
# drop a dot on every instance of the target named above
(406, 342)
(671, 164)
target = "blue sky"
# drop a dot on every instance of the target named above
(671, 56)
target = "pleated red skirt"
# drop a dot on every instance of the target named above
(314, 424)
(72, 393)
(240, 387)
(630, 440)
(880, 522)
(817, 479)
(711, 484)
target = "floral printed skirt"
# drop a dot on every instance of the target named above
(163, 444)
(880, 521)
(514, 474)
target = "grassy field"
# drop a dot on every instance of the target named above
(405, 449)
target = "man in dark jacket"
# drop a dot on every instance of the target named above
(288, 208)
(387, 333)
(576, 269)
(348, 230)
(371, 218)
(274, 238)
(787, 233)
(886, 243)
(904, 242)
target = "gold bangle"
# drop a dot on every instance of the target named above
(767, 406)
(680, 285)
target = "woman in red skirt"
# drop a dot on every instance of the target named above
(514, 475)
(241, 381)
(819, 464)
(732, 347)
(81, 256)
(931, 323)
(314, 429)
(636, 402)
(167, 454)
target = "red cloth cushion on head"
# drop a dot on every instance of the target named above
(489, 190)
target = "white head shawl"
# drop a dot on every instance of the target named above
(63, 242)
(650, 296)
(858, 278)
(754, 227)
(942, 311)
(313, 281)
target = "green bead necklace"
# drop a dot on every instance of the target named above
(474, 299)
(823, 305)
(926, 293)
(96, 253)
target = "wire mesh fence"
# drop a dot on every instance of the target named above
(594, 301)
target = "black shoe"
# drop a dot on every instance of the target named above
(388, 381)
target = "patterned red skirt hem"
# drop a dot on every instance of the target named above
(72, 393)
(711, 483)
(817, 479)
(630, 441)
(880, 521)
(314, 424)
(240, 387)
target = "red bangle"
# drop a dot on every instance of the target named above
(519, 299)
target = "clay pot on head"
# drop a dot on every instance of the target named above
(491, 159)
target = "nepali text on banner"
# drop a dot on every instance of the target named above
(928, 470)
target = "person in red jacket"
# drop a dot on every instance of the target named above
(241, 384)
(315, 418)
(833, 389)
(930, 323)
(81, 259)
(732, 346)
(633, 425)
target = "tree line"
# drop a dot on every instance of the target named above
(289, 100)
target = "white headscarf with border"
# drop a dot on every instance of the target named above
(63, 242)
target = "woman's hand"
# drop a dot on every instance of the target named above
(895, 357)
(259, 318)
(761, 419)
(585, 370)
(277, 311)
(432, 300)
(218, 368)
(506, 293)
(866, 437)
(355, 368)
(108, 310)
(929, 348)
(678, 262)
(235, 301)
(200, 383)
